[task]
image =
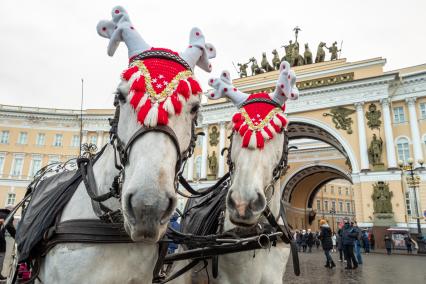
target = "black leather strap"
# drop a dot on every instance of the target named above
(198, 193)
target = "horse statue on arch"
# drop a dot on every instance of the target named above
(121, 202)
(257, 157)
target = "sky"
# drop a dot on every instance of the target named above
(47, 46)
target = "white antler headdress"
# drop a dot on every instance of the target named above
(260, 115)
(121, 29)
(198, 51)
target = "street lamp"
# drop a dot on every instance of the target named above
(332, 212)
(413, 180)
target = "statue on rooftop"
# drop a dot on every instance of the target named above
(307, 55)
(265, 64)
(333, 50)
(320, 53)
(243, 69)
(276, 60)
(255, 69)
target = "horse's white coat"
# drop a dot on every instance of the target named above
(150, 174)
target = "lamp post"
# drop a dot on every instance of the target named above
(332, 212)
(413, 180)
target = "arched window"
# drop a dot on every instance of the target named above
(403, 149)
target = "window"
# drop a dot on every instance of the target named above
(325, 205)
(340, 206)
(340, 191)
(1, 163)
(58, 140)
(41, 139)
(18, 163)
(332, 190)
(4, 138)
(318, 204)
(93, 139)
(11, 198)
(423, 110)
(23, 137)
(53, 159)
(35, 165)
(347, 191)
(348, 207)
(398, 115)
(333, 206)
(75, 141)
(408, 203)
(403, 149)
(325, 189)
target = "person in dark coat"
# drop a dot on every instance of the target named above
(310, 240)
(349, 235)
(176, 226)
(388, 244)
(372, 241)
(365, 241)
(317, 240)
(408, 244)
(9, 227)
(340, 244)
(327, 243)
(304, 240)
(299, 240)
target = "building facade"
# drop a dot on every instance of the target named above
(357, 122)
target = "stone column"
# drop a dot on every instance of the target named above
(204, 152)
(222, 137)
(100, 140)
(190, 164)
(363, 149)
(390, 146)
(415, 134)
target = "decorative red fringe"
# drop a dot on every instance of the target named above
(176, 103)
(183, 89)
(237, 117)
(163, 116)
(129, 72)
(243, 129)
(246, 138)
(195, 87)
(237, 125)
(144, 111)
(139, 84)
(268, 132)
(276, 127)
(136, 98)
(260, 140)
(283, 107)
(283, 120)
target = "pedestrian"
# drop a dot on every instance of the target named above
(348, 239)
(299, 240)
(408, 244)
(304, 240)
(310, 240)
(372, 241)
(327, 243)
(334, 240)
(176, 226)
(340, 244)
(388, 244)
(357, 242)
(9, 227)
(317, 240)
(365, 242)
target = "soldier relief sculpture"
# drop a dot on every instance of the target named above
(382, 198)
(292, 55)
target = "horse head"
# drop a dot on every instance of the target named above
(158, 100)
(257, 144)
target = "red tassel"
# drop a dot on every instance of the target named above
(139, 84)
(237, 117)
(260, 140)
(195, 87)
(268, 132)
(237, 125)
(183, 89)
(163, 117)
(243, 129)
(283, 107)
(246, 138)
(137, 96)
(144, 111)
(276, 127)
(283, 120)
(176, 103)
(129, 72)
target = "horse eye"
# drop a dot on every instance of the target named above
(195, 108)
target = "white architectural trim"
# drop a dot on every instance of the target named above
(332, 131)
(402, 136)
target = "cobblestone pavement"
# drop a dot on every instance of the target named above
(376, 268)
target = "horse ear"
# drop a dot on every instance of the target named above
(222, 87)
(198, 52)
(285, 87)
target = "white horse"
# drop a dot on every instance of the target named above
(254, 159)
(148, 192)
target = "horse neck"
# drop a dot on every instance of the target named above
(80, 207)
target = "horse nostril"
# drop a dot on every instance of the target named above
(169, 210)
(230, 202)
(130, 210)
(258, 204)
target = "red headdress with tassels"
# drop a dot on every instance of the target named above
(260, 116)
(160, 80)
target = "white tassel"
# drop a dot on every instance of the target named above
(264, 134)
(168, 106)
(141, 102)
(277, 121)
(181, 99)
(130, 95)
(272, 129)
(151, 118)
(253, 141)
(135, 75)
(189, 86)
